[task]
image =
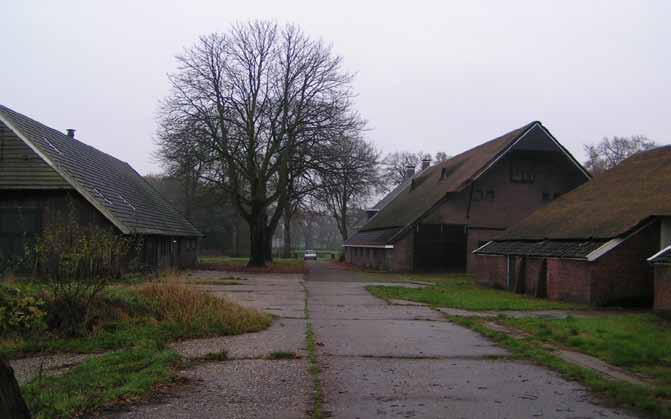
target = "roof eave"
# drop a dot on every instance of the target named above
(107, 214)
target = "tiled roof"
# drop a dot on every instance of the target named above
(109, 184)
(544, 248)
(662, 258)
(372, 237)
(609, 206)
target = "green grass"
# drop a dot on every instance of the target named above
(462, 292)
(650, 400)
(125, 375)
(638, 342)
(160, 312)
(136, 322)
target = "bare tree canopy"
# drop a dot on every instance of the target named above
(259, 103)
(610, 152)
(348, 179)
(396, 163)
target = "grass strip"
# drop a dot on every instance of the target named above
(313, 368)
(639, 397)
(119, 376)
(462, 292)
(638, 342)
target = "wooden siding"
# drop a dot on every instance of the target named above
(22, 168)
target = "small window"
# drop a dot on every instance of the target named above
(491, 195)
(477, 195)
(547, 196)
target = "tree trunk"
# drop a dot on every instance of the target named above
(286, 235)
(12, 405)
(258, 242)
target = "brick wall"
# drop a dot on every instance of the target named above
(475, 239)
(490, 271)
(368, 257)
(568, 280)
(401, 259)
(623, 275)
(663, 288)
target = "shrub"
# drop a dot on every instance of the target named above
(78, 261)
(20, 313)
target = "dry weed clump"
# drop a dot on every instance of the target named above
(201, 313)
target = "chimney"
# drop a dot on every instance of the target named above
(426, 162)
(71, 132)
(409, 171)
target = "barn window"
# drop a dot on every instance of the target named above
(547, 196)
(477, 195)
(522, 171)
(491, 195)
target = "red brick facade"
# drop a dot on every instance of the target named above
(663, 288)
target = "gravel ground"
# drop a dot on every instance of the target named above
(26, 369)
(285, 335)
(236, 390)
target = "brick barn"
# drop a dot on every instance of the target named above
(49, 177)
(592, 244)
(437, 217)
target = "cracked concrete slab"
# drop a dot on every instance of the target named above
(420, 388)
(235, 390)
(400, 338)
(285, 335)
(384, 367)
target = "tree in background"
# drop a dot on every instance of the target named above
(258, 104)
(395, 164)
(610, 152)
(348, 178)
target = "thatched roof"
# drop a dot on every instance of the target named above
(428, 188)
(609, 206)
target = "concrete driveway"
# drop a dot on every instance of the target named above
(389, 361)
(377, 361)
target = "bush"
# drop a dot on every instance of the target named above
(78, 262)
(20, 313)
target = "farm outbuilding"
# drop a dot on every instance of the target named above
(592, 244)
(437, 217)
(49, 177)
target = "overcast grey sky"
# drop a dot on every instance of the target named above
(431, 76)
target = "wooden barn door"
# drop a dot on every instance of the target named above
(440, 247)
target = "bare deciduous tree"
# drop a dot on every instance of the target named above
(395, 164)
(263, 100)
(610, 152)
(348, 179)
